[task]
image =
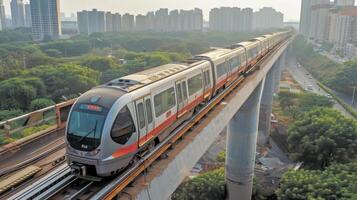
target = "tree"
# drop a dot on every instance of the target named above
(112, 74)
(336, 182)
(310, 100)
(17, 93)
(53, 53)
(65, 79)
(100, 63)
(40, 103)
(8, 114)
(345, 79)
(210, 186)
(321, 137)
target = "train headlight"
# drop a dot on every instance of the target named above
(93, 153)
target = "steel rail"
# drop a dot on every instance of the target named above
(81, 191)
(54, 179)
(111, 190)
(31, 160)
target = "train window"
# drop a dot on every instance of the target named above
(141, 115)
(123, 126)
(164, 101)
(221, 69)
(235, 62)
(194, 84)
(148, 110)
(179, 93)
(207, 79)
(184, 87)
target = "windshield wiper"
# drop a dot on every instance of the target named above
(91, 131)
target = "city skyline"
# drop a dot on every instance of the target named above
(290, 9)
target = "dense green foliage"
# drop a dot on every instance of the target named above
(345, 78)
(18, 35)
(349, 108)
(221, 157)
(209, 186)
(296, 104)
(18, 93)
(8, 114)
(337, 182)
(321, 137)
(339, 77)
(320, 66)
(40, 103)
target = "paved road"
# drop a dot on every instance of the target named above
(303, 77)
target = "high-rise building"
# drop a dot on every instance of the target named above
(2, 16)
(191, 20)
(305, 17)
(140, 23)
(91, 22)
(267, 18)
(231, 19)
(28, 21)
(95, 21)
(83, 25)
(127, 22)
(247, 15)
(319, 20)
(46, 21)
(113, 22)
(174, 21)
(344, 2)
(162, 19)
(116, 22)
(17, 13)
(108, 22)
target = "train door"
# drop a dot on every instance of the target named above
(145, 119)
(182, 98)
(207, 85)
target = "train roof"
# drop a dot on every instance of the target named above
(244, 44)
(140, 79)
(214, 53)
(259, 39)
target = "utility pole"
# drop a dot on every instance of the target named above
(354, 93)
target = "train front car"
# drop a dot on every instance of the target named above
(100, 124)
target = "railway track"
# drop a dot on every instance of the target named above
(61, 183)
(32, 160)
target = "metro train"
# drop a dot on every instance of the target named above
(112, 124)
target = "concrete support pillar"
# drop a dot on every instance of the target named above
(280, 64)
(241, 147)
(266, 106)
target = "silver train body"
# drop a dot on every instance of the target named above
(109, 125)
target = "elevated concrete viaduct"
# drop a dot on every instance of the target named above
(245, 112)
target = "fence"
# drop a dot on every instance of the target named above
(44, 120)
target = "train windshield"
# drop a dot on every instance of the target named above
(85, 126)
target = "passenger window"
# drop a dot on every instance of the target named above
(164, 101)
(221, 69)
(123, 127)
(179, 93)
(141, 115)
(194, 84)
(148, 110)
(207, 79)
(184, 87)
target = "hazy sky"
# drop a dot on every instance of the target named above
(290, 8)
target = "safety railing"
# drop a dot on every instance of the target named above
(44, 120)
